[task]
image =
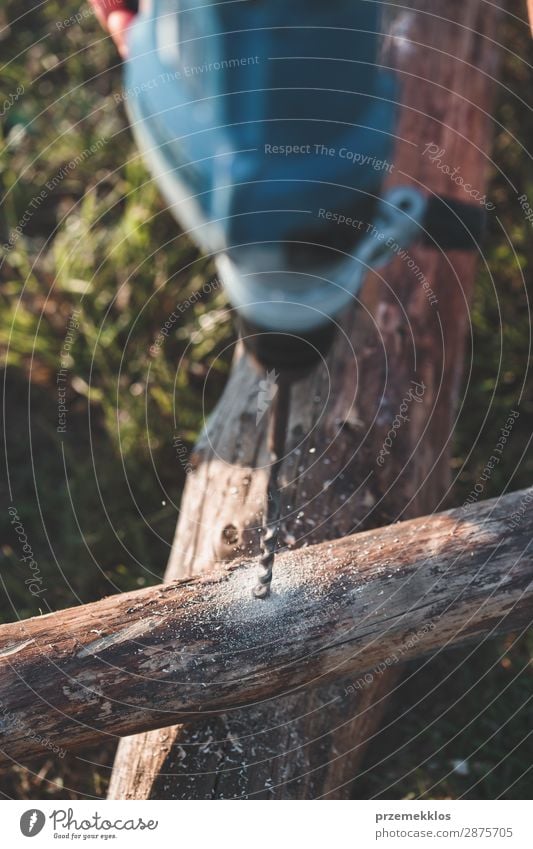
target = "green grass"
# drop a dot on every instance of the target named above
(100, 242)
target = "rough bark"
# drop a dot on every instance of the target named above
(309, 746)
(200, 646)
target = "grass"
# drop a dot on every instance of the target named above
(100, 246)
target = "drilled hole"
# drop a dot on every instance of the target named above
(230, 535)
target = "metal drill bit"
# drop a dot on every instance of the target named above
(277, 431)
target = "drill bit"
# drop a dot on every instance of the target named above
(277, 432)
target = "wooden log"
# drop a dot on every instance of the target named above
(185, 650)
(310, 745)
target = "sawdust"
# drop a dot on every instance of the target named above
(296, 594)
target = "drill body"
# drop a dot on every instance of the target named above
(269, 127)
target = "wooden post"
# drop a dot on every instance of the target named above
(310, 745)
(136, 661)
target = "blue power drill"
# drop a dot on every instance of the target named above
(269, 127)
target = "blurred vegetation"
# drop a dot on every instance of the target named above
(98, 246)
(100, 242)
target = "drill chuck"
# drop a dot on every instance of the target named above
(286, 352)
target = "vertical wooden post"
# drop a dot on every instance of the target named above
(311, 745)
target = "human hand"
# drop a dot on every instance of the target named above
(115, 16)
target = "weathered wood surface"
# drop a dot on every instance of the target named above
(310, 745)
(361, 604)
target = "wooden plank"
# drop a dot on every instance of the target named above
(362, 604)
